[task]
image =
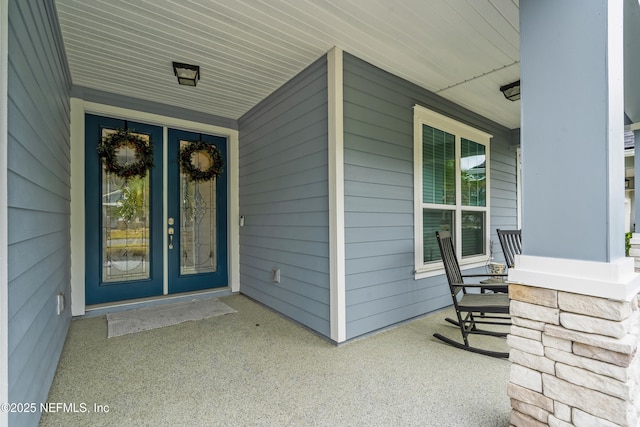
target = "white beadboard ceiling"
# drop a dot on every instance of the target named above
(464, 50)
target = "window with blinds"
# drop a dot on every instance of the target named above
(451, 173)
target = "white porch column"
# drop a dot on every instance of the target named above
(575, 313)
(634, 251)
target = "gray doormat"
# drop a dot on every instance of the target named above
(144, 319)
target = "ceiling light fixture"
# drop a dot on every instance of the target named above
(188, 75)
(511, 91)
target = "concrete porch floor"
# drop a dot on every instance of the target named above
(255, 367)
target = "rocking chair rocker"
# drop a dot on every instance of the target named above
(472, 309)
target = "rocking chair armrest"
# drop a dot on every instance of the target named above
(488, 287)
(486, 275)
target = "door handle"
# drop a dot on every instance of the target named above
(170, 231)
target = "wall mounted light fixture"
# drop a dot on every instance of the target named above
(187, 74)
(511, 91)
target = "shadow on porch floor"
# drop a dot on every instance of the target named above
(255, 367)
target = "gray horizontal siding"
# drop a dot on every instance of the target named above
(504, 212)
(128, 102)
(38, 201)
(378, 159)
(284, 199)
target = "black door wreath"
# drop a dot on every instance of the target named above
(209, 150)
(108, 152)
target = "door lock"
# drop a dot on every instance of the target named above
(170, 231)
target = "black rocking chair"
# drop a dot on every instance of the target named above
(511, 243)
(472, 309)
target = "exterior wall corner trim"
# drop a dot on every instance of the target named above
(336, 195)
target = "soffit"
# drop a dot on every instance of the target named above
(463, 50)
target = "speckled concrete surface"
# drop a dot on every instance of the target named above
(256, 368)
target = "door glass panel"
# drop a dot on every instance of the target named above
(197, 220)
(125, 222)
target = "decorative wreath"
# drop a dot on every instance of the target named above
(209, 150)
(108, 149)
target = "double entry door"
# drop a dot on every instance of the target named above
(162, 229)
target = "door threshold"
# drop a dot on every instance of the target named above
(117, 306)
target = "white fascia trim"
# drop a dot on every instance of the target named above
(78, 110)
(337, 275)
(615, 280)
(4, 209)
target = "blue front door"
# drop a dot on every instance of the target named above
(197, 212)
(128, 238)
(123, 227)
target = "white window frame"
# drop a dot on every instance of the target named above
(423, 116)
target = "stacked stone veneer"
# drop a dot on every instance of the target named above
(574, 359)
(634, 250)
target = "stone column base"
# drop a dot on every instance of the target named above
(634, 251)
(574, 359)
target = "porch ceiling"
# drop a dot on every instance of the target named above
(464, 50)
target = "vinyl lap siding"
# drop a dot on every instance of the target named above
(503, 192)
(378, 161)
(38, 201)
(284, 199)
